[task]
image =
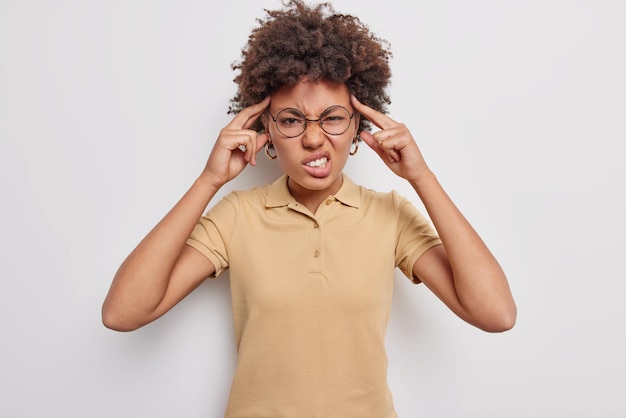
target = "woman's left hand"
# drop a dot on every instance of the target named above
(393, 143)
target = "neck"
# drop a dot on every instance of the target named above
(312, 198)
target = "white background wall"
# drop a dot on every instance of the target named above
(108, 110)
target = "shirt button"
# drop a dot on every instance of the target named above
(315, 225)
(317, 254)
(328, 202)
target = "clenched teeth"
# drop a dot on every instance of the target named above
(321, 162)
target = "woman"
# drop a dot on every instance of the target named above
(311, 256)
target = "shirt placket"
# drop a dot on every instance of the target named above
(317, 249)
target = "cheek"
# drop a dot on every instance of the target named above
(284, 151)
(343, 143)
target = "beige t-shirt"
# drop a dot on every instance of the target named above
(311, 296)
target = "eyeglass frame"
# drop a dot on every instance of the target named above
(307, 120)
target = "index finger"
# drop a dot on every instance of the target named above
(377, 118)
(246, 117)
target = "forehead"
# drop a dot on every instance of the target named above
(311, 97)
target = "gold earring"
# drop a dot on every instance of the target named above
(268, 146)
(355, 142)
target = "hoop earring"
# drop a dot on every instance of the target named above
(355, 142)
(268, 146)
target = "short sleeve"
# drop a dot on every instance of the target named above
(211, 234)
(414, 235)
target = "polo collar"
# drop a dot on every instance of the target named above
(278, 194)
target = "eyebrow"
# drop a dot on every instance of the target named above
(289, 108)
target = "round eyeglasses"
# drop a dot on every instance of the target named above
(291, 122)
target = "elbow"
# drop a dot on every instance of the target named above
(497, 327)
(501, 321)
(113, 323)
(116, 321)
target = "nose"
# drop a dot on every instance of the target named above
(313, 136)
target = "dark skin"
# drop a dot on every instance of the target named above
(462, 272)
(162, 270)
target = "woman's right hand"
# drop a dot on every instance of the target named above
(162, 270)
(228, 158)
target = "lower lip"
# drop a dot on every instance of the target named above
(320, 172)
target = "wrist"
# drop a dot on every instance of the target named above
(208, 182)
(422, 176)
(423, 179)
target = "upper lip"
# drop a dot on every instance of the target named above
(316, 156)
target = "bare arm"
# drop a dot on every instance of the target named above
(162, 270)
(462, 273)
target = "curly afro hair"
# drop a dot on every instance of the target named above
(317, 43)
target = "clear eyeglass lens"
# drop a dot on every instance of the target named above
(334, 121)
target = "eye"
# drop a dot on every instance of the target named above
(289, 118)
(335, 116)
(290, 121)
